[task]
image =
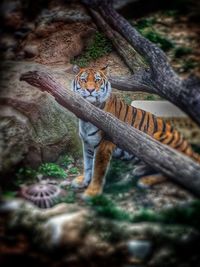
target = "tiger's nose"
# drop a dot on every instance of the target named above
(90, 90)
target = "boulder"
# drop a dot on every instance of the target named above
(34, 127)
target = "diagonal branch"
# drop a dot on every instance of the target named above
(180, 168)
(161, 78)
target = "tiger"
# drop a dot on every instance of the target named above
(92, 84)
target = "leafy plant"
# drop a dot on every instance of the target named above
(65, 161)
(52, 169)
(73, 170)
(98, 47)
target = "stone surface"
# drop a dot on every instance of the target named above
(46, 128)
(140, 249)
(81, 236)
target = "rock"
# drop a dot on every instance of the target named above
(140, 249)
(77, 233)
(8, 42)
(13, 140)
(35, 128)
(31, 50)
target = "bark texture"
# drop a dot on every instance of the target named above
(175, 165)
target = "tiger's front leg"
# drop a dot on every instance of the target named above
(82, 181)
(103, 155)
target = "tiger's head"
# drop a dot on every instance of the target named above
(92, 84)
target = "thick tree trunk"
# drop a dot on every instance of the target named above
(180, 168)
(161, 78)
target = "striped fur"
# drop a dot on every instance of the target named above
(93, 85)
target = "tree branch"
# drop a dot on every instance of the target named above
(180, 168)
(161, 79)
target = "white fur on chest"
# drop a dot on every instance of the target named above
(89, 133)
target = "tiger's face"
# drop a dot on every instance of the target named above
(92, 84)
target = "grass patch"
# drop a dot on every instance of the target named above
(98, 47)
(106, 208)
(188, 215)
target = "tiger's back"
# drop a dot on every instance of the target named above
(150, 124)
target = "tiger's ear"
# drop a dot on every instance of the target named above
(105, 69)
(76, 69)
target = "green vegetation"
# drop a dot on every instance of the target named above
(73, 170)
(144, 23)
(52, 169)
(105, 207)
(182, 51)
(65, 160)
(185, 215)
(189, 64)
(150, 97)
(117, 169)
(98, 47)
(9, 194)
(158, 39)
(69, 198)
(145, 27)
(46, 169)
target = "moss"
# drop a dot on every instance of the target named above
(98, 47)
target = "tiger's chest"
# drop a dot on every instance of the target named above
(89, 133)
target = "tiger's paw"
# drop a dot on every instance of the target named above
(78, 182)
(151, 180)
(92, 191)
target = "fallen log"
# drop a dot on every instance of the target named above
(161, 78)
(164, 159)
